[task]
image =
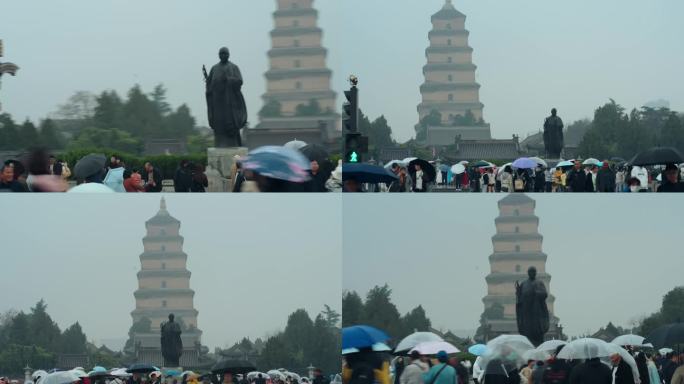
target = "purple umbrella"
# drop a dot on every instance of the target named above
(525, 163)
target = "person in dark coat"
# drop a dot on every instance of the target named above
(7, 181)
(605, 179)
(539, 180)
(318, 178)
(592, 371)
(152, 178)
(671, 181)
(557, 371)
(670, 367)
(578, 180)
(498, 372)
(199, 178)
(642, 365)
(621, 370)
(182, 179)
(461, 371)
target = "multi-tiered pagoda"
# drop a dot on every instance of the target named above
(164, 288)
(517, 246)
(299, 102)
(450, 87)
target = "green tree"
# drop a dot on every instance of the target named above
(434, 118)
(18, 330)
(80, 106)
(324, 350)
(276, 353)
(73, 340)
(352, 309)
(141, 116)
(416, 320)
(671, 311)
(9, 132)
(673, 132)
(158, 97)
(106, 138)
(28, 135)
(331, 316)
(108, 112)
(271, 109)
(43, 330)
(380, 312)
(180, 123)
(298, 334)
(49, 137)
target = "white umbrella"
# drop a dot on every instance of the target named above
(629, 359)
(464, 162)
(665, 351)
(551, 345)
(505, 348)
(501, 169)
(120, 372)
(587, 348)
(457, 169)
(434, 347)
(536, 355)
(63, 377)
(276, 374)
(407, 160)
(295, 144)
(414, 339)
(591, 161)
(540, 161)
(634, 340)
(399, 162)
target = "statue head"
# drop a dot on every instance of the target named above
(532, 273)
(224, 54)
(553, 112)
(171, 317)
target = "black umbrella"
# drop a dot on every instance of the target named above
(315, 152)
(233, 366)
(366, 173)
(428, 168)
(669, 335)
(89, 165)
(658, 155)
(141, 368)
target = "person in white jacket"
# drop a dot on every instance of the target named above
(413, 372)
(478, 371)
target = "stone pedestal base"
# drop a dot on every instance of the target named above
(219, 164)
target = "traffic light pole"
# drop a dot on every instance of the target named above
(355, 144)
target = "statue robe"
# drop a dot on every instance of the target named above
(531, 311)
(226, 107)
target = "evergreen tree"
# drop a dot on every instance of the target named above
(49, 137)
(179, 124)
(158, 97)
(108, 111)
(9, 132)
(352, 309)
(28, 135)
(73, 340)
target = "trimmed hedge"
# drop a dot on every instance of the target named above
(167, 164)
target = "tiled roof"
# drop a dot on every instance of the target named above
(488, 149)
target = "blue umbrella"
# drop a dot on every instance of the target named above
(478, 349)
(362, 336)
(278, 163)
(366, 173)
(444, 168)
(566, 163)
(524, 163)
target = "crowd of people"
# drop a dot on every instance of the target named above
(577, 177)
(100, 375)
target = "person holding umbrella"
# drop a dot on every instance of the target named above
(622, 373)
(578, 180)
(413, 372)
(441, 373)
(671, 182)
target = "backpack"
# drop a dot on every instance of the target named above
(363, 373)
(519, 184)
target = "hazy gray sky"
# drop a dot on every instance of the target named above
(531, 54)
(253, 260)
(610, 259)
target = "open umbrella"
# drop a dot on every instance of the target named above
(591, 161)
(504, 353)
(457, 169)
(362, 336)
(482, 164)
(280, 163)
(626, 356)
(658, 155)
(444, 168)
(477, 349)
(587, 348)
(525, 163)
(433, 347)
(665, 351)
(366, 173)
(414, 339)
(391, 163)
(464, 162)
(536, 355)
(315, 152)
(120, 372)
(503, 167)
(142, 368)
(408, 160)
(99, 374)
(566, 164)
(634, 340)
(377, 347)
(428, 168)
(255, 374)
(63, 377)
(670, 335)
(233, 366)
(551, 345)
(276, 374)
(295, 144)
(540, 161)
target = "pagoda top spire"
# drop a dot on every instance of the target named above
(163, 216)
(162, 204)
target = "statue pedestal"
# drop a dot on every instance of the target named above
(219, 164)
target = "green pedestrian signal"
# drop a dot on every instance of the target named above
(353, 157)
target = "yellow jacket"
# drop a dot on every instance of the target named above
(382, 375)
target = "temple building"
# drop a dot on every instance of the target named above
(450, 88)
(164, 288)
(517, 246)
(299, 102)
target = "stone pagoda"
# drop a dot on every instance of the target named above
(517, 246)
(163, 288)
(298, 103)
(450, 87)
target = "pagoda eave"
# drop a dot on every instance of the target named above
(295, 12)
(162, 293)
(304, 96)
(297, 51)
(429, 87)
(518, 256)
(169, 273)
(282, 74)
(289, 32)
(500, 277)
(516, 237)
